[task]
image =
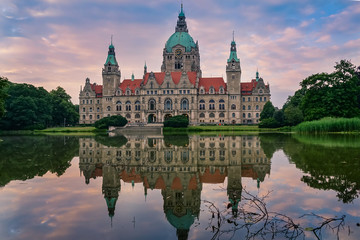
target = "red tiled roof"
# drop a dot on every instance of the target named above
(215, 82)
(176, 76)
(216, 177)
(159, 77)
(176, 184)
(248, 171)
(97, 89)
(132, 85)
(247, 87)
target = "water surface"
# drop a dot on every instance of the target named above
(180, 187)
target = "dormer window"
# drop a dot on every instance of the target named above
(202, 90)
(221, 90)
(211, 90)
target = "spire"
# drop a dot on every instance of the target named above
(181, 23)
(145, 68)
(132, 79)
(111, 55)
(257, 75)
(233, 54)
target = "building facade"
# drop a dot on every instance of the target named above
(179, 89)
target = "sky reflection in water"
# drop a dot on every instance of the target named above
(164, 181)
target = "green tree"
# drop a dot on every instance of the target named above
(3, 85)
(63, 112)
(268, 111)
(279, 117)
(27, 107)
(293, 115)
(332, 95)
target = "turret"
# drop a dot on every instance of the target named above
(111, 73)
(233, 70)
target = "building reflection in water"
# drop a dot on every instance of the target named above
(178, 166)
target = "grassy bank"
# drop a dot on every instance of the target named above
(329, 125)
(67, 130)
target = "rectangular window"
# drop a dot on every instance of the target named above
(180, 91)
(155, 92)
(83, 109)
(188, 91)
(168, 92)
(164, 92)
(147, 92)
(172, 92)
(264, 99)
(260, 99)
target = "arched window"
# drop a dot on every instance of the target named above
(212, 115)
(128, 106)
(128, 116)
(249, 115)
(244, 107)
(256, 99)
(202, 104)
(137, 92)
(118, 92)
(118, 106)
(202, 115)
(221, 115)
(221, 104)
(137, 115)
(211, 104)
(233, 115)
(202, 91)
(249, 107)
(137, 106)
(108, 108)
(264, 99)
(152, 104)
(244, 116)
(257, 115)
(184, 105)
(233, 107)
(257, 107)
(128, 91)
(168, 104)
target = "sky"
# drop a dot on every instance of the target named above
(54, 43)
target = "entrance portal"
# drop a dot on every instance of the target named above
(151, 118)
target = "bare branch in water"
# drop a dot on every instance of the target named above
(255, 221)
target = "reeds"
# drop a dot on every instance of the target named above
(329, 125)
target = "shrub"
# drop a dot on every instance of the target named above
(269, 123)
(116, 121)
(179, 121)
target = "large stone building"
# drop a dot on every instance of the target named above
(179, 89)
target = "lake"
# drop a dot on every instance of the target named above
(263, 186)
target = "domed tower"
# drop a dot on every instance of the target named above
(111, 73)
(181, 53)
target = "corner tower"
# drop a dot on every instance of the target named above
(181, 53)
(111, 73)
(233, 71)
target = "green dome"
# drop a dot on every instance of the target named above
(182, 38)
(183, 222)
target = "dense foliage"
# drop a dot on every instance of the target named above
(335, 94)
(179, 121)
(3, 84)
(115, 141)
(115, 121)
(332, 95)
(28, 107)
